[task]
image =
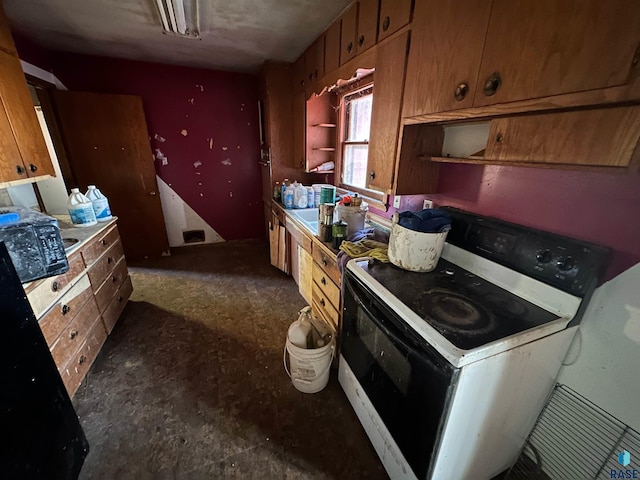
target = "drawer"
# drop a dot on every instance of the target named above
(102, 267)
(322, 306)
(74, 372)
(327, 262)
(75, 333)
(300, 237)
(324, 282)
(118, 302)
(65, 310)
(99, 245)
(279, 213)
(43, 294)
(108, 289)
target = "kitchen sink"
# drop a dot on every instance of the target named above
(306, 214)
(69, 243)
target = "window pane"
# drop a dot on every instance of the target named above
(355, 165)
(359, 119)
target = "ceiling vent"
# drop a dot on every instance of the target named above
(180, 17)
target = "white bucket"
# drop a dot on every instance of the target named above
(352, 216)
(310, 367)
(414, 251)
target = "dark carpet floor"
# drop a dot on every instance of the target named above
(190, 384)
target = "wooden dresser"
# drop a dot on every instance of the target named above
(77, 310)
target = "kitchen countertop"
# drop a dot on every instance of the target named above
(305, 228)
(82, 234)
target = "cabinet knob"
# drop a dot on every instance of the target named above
(461, 91)
(499, 138)
(322, 302)
(492, 84)
(349, 47)
(372, 175)
(20, 170)
(361, 40)
(65, 309)
(114, 279)
(324, 262)
(33, 167)
(82, 359)
(323, 281)
(120, 298)
(109, 260)
(385, 23)
(73, 334)
(104, 242)
(55, 286)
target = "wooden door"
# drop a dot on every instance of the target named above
(332, 47)
(22, 117)
(539, 48)
(388, 85)
(367, 24)
(446, 49)
(106, 140)
(394, 14)
(348, 34)
(299, 128)
(599, 137)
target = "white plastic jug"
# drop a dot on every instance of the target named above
(81, 209)
(300, 196)
(100, 204)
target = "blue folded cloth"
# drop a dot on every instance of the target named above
(429, 220)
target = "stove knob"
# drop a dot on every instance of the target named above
(543, 256)
(565, 264)
(449, 272)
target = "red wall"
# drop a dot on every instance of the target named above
(225, 190)
(602, 208)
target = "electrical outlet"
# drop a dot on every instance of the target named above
(396, 201)
(427, 204)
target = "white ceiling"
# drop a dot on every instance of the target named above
(237, 35)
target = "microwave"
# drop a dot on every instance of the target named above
(34, 243)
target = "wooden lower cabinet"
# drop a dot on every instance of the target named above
(77, 310)
(326, 300)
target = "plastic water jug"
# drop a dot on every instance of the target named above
(81, 209)
(288, 197)
(100, 204)
(300, 196)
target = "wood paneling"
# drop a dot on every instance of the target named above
(414, 173)
(367, 31)
(394, 14)
(332, 47)
(602, 137)
(107, 142)
(385, 117)
(558, 47)
(446, 50)
(348, 34)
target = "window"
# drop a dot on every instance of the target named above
(355, 136)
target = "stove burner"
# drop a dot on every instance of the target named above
(509, 305)
(454, 312)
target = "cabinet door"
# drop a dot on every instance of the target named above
(11, 166)
(385, 116)
(539, 48)
(299, 128)
(332, 47)
(348, 34)
(6, 41)
(22, 117)
(314, 61)
(446, 49)
(394, 14)
(600, 137)
(299, 74)
(367, 24)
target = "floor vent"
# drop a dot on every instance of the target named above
(574, 438)
(193, 236)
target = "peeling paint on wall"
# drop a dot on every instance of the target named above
(226, 161)
(184, 133)
(159, 138)
(211, 144)
(225, 148)
(162, 157)
(197, 163)
(191, 100)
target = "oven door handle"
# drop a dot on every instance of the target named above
(415, 347)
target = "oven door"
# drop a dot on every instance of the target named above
(406, 380)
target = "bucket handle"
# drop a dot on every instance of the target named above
(306, 382)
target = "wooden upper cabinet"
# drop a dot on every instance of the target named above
(367, 31)
(332, 47)
(314, 61)
(540, 48)
(394, 14)
(299, 74)
(6, 41)
(11, 166)
(445, 55)
(349, 25)
(299, 127)
(385, 116)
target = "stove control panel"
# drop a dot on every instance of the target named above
(568, 264)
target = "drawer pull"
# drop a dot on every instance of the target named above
(104, 242)
(323, 281)
(324, 262)
(65, 309)
(109, 260)
(82, 359)
(33, 168)
(385, 24)
(322, 302)
(73, 334)
(114, 279)
(20, 170)
(120, 298)
(55, 286)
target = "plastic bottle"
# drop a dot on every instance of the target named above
(283, 188)
(310, 197)
(300, 196)
(81, 209)
(300, 331)
(288, 197)
(100, 204)
(277, 192)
